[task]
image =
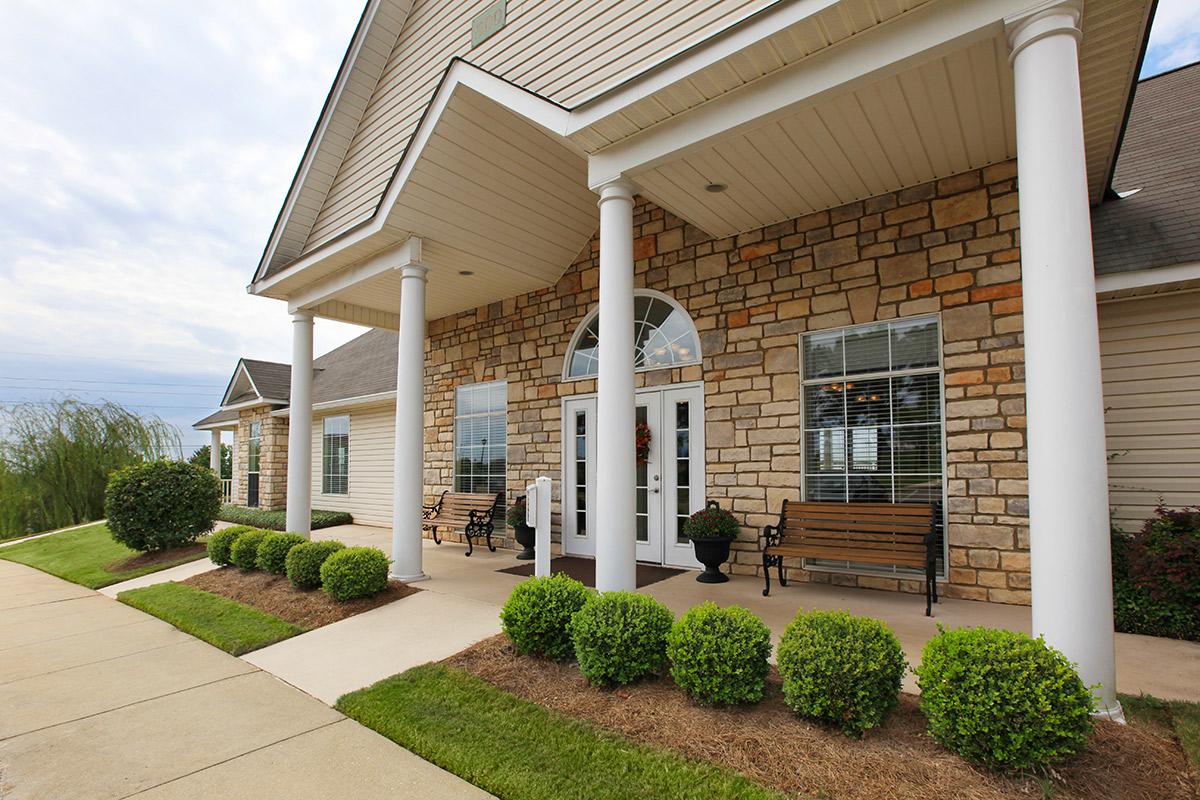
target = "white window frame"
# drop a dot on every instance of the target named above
(591, 315)
(500, 521)
(894, 572)
(324, 459)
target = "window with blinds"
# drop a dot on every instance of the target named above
(481, 438)
(872, 416)
(335, 456)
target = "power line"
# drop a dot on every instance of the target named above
(118, 383)
(102, 389)
(95, 357)
(97, 405)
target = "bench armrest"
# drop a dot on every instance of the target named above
(771, 535)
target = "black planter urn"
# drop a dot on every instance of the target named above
(526, 537)
(712, 553)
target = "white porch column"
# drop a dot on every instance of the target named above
(1071, 563)
(214, 451)
(615, 451)
(299, 455)
(408, 490)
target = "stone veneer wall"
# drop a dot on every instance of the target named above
(948, 247)
(272, 458)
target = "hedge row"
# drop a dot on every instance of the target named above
(1000, 699)
(277, 520)
(344, 573)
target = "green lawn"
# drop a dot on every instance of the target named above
(223, 623)
(1178, 716)
(82, 556)
(520, 751)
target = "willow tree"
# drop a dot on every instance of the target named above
(55, 459)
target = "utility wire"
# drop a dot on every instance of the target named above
(97, 405)
(85, 389)
(117, 383)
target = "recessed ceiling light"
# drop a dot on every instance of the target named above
(466, 272)
(715, 188)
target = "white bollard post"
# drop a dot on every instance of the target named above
(537, 516)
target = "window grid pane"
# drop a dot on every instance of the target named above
(876, 439)
(335, 455)
(663, 336)
(481, 440)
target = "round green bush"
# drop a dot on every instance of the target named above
(719, 655)
(537, 614)
(273, 551)
(840, 669)
(1003, 699)
(620, 637)
(161, 504)
(243, 553)
(303, 562)
(354, 572)
(221, 541)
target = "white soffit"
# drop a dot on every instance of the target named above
(939, 118)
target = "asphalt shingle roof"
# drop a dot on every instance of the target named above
(272, 379)
(1158, 226)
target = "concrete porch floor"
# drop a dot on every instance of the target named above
(1164, 668)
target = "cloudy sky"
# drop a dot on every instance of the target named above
(145, 149)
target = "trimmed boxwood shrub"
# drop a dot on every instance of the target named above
(277, 520)
(243, 553)
(840, 669)
(719, 655)
(303, 562)
(1003, 699)
(620, 637)
(537, 614)
(273, 550)
(354, 572)
(221, 541)
(161, 504)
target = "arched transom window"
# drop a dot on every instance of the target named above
(663, 337)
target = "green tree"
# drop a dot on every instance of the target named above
(200, 459)
(56, 458)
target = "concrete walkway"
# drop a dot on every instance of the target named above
(98, 700)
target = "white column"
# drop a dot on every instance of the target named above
(214, 452)
(408, 489)
(615, 414)
(299, 455)
(1071, 563)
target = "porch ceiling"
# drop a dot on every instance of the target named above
(939, 118)
(490, 194)
(942, 113)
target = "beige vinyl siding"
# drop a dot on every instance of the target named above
(372, 437)
(1150, 351)
(566, 50)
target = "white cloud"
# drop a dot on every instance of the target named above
(145, 149)
(1174, 38)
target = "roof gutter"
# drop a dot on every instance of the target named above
(347, 402)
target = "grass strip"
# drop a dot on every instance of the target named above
(223, 623)
(1177, 716)
(521, 751)
(83, 555)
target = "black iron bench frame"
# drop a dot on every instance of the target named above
(479, 523)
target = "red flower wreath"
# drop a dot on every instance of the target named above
(641, 439)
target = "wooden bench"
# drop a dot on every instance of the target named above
(473, 515)
(890, 534)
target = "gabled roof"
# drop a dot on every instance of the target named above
(258, 381)
(365, 58)
(1158, 225)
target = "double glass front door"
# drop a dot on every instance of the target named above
(668, 479)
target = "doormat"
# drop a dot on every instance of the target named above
(584, 570)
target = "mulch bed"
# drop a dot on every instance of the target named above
(769, 744)
(156, 557)
(275, 595)
(584, 570)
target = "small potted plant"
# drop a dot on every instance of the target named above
(711, 531)
(526, 536)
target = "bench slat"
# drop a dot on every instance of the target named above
(861, 509)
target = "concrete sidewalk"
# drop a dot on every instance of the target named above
(98, 700)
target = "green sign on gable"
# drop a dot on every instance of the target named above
(487, 22)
